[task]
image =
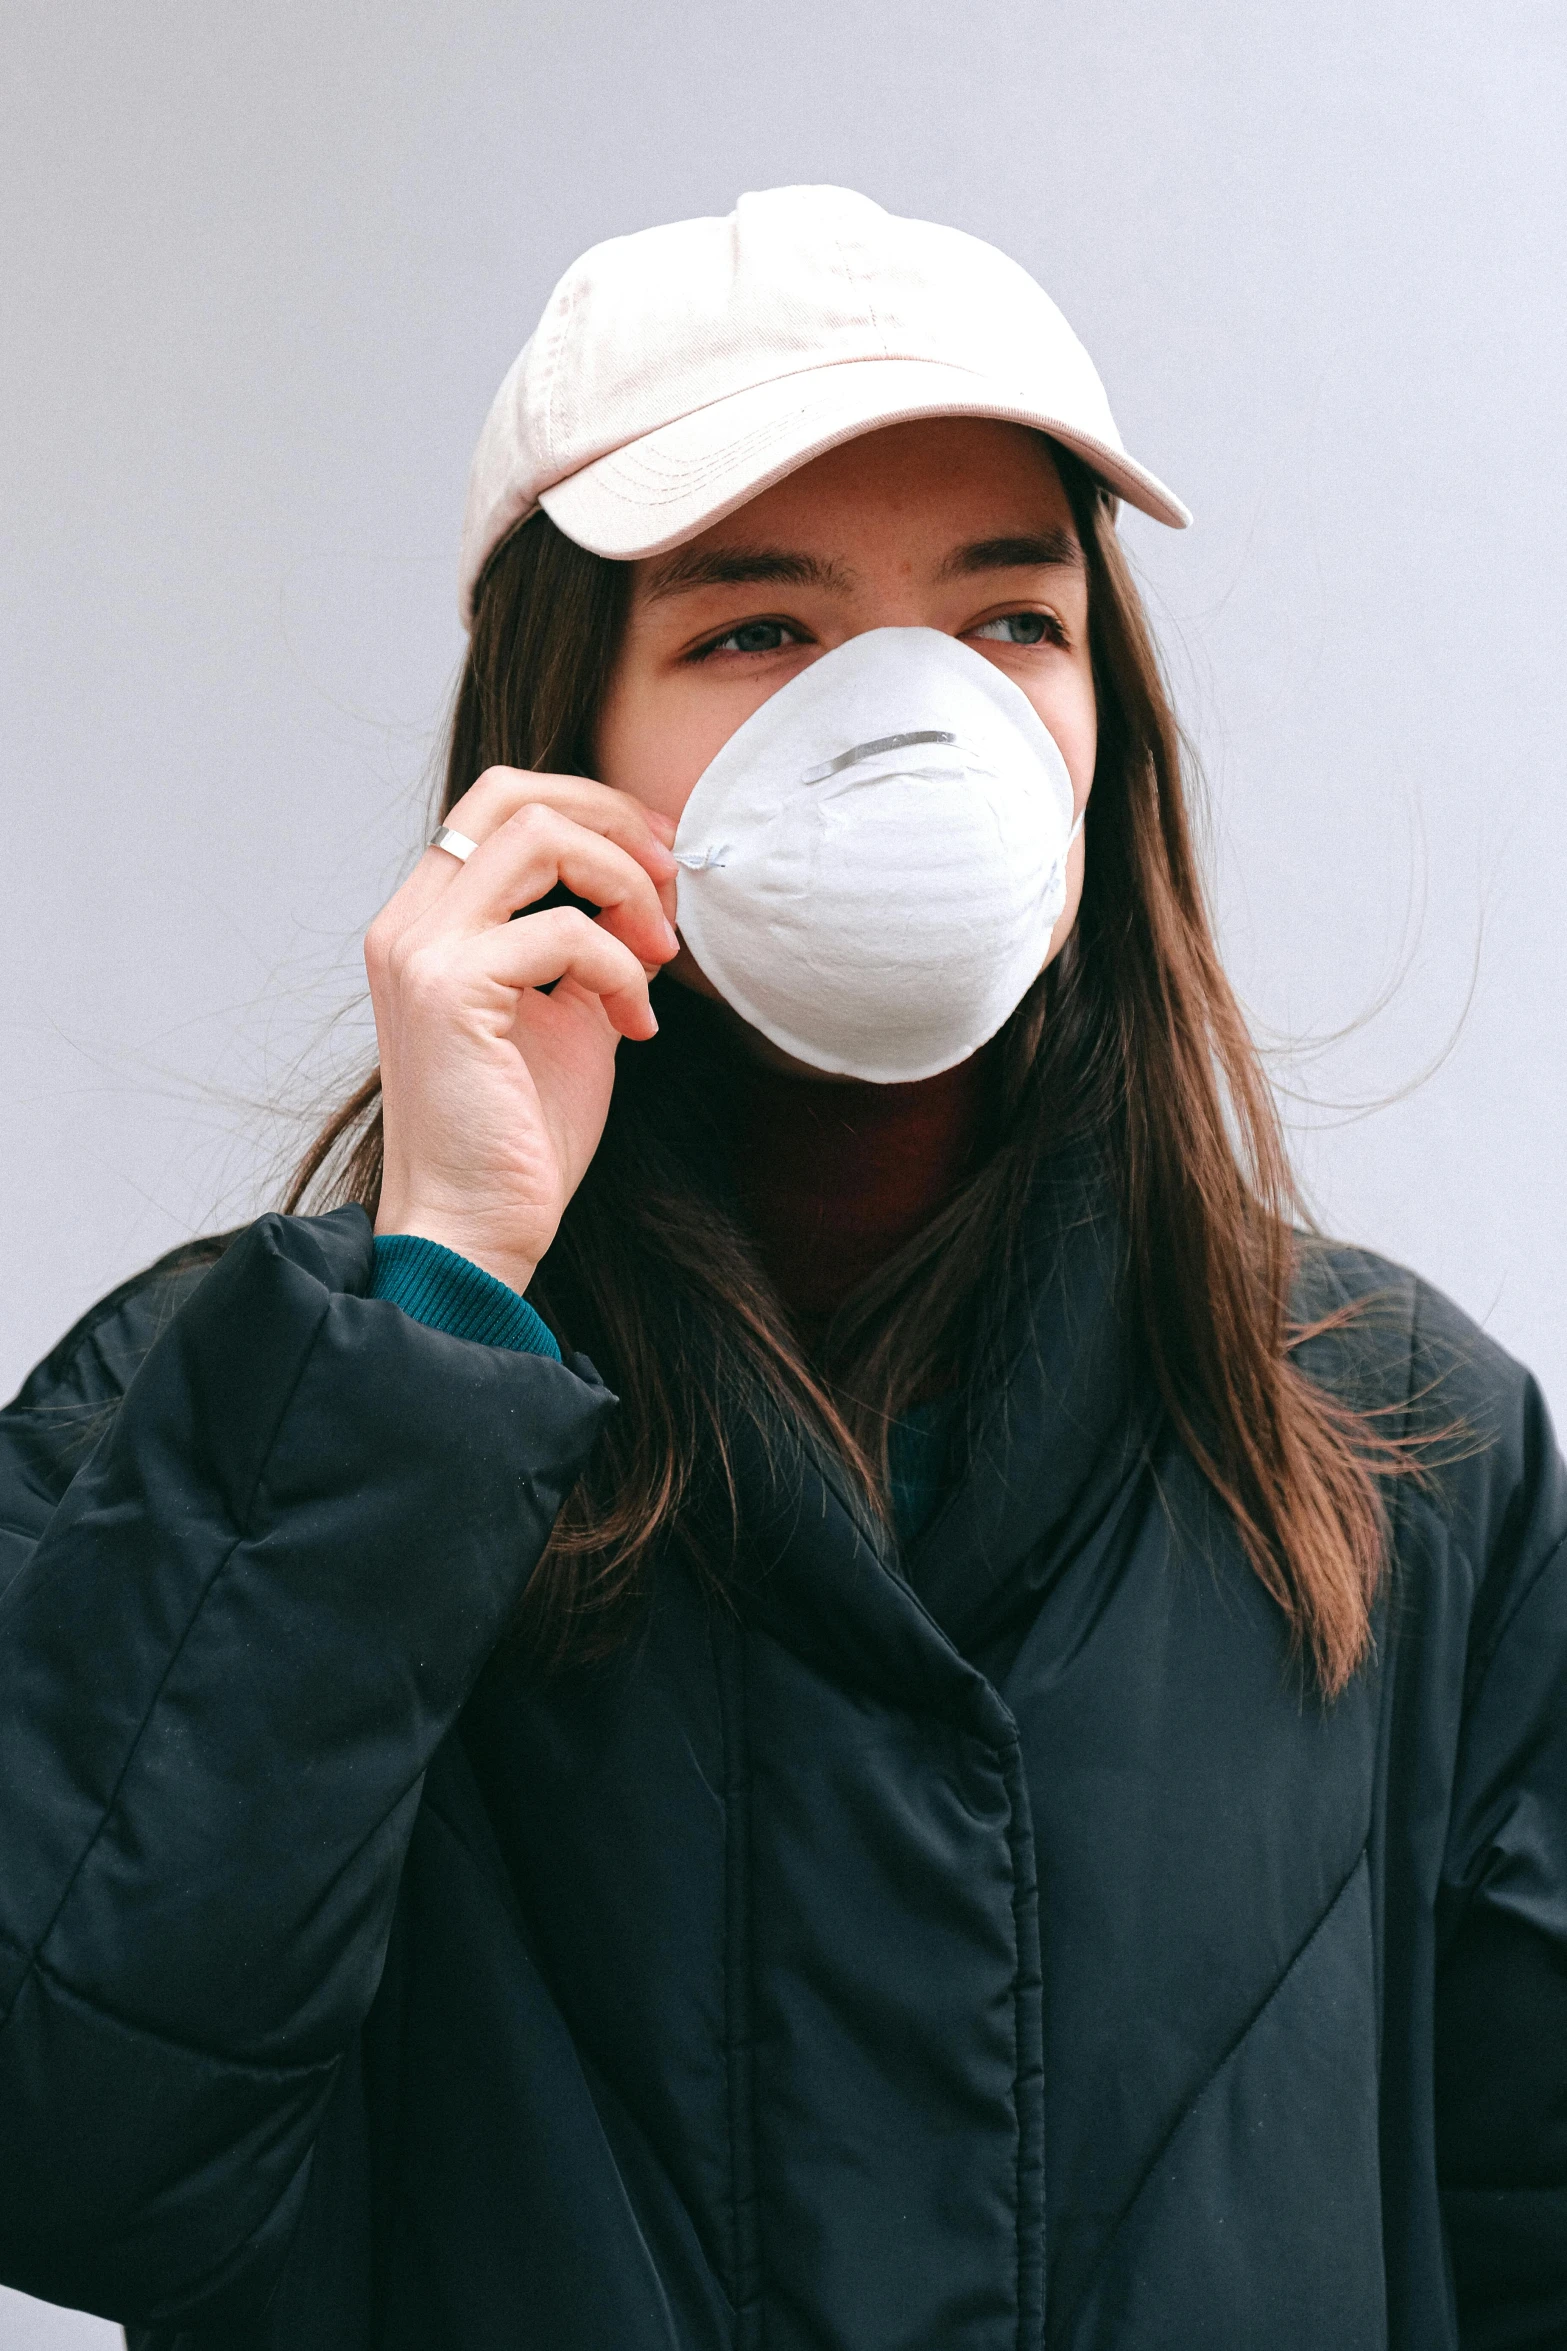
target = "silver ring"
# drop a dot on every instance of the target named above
(456, 845)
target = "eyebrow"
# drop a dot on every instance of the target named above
(741, 567)
(1026, 551)
(689, 568)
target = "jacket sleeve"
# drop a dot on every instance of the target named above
(227, 1654)
(1501, 2010)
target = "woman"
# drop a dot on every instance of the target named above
(1014, 1787)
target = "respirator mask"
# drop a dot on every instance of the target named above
(873, 864)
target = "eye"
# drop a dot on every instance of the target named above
(752, 636)
(1022, 628)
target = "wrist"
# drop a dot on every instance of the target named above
(481, 1247)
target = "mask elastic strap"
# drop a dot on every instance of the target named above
(1078, 825)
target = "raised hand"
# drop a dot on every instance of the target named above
(494, 1096)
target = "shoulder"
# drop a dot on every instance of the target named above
(98, 1355)
(1488, 1471)
(66, 1404)
(67, 1400)
(1386, 1340)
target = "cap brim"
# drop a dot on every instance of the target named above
(657, 492)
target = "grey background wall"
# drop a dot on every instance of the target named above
(265, 269)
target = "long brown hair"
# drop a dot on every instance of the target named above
(1132, 1041)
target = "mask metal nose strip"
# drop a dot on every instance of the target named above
(832, 767)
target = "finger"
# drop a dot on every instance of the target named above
(498, 796)
(613, 920)
(536, 849)
(501, 791)
(563, 944)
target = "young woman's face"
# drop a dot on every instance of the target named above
(956, 523)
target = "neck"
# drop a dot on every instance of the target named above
(836, 1176)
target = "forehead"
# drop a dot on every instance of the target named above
(940, 480)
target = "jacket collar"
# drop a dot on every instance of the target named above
(1053, 1447)
(1054, 1444)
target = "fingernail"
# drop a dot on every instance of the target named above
(672, 936)
(663, 826)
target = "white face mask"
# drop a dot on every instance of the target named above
(874, 862)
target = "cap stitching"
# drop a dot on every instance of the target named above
(815, 367)
(633, 452)
(653, 492)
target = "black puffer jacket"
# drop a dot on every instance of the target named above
(997, 1952)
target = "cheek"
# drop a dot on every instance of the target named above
(1074, 722)
(653, 745)
(1066, 704)
(660, 726)
(633, 754)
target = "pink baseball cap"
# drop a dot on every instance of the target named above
(677, 372)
